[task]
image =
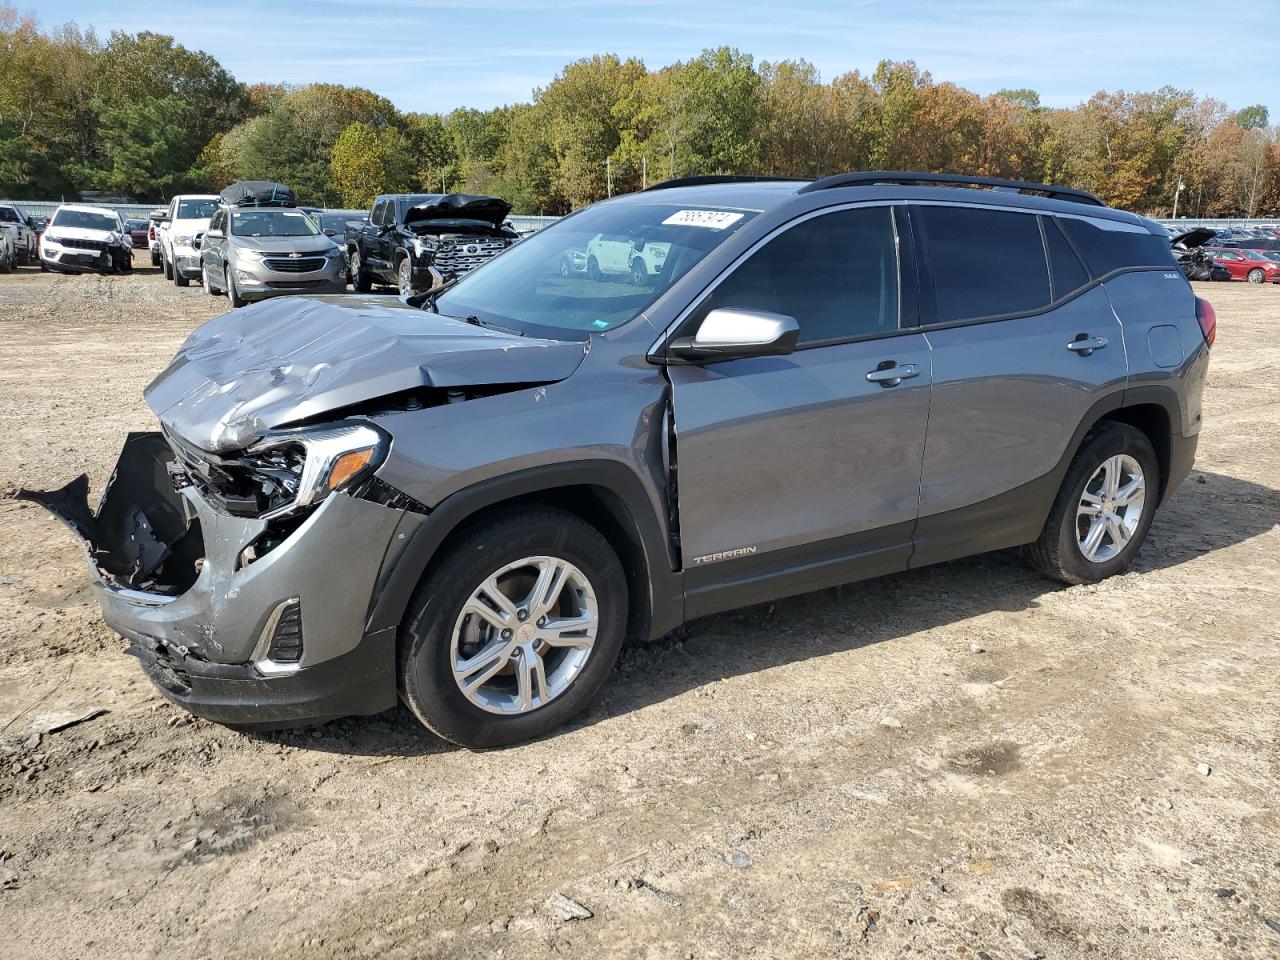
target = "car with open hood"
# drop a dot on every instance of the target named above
(419, 242)
(1195, 261)
(469, 499)
(81, 238)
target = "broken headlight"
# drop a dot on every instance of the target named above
(299, 468)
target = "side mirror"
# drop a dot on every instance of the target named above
(331, 233)
(731, 333)
(213, 234)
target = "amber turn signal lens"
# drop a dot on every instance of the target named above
(347, 466)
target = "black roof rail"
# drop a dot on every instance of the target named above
(704, 180)
(871, 177)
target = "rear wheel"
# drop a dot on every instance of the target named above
(515, 629)
(179, 279)
(593, 268)
(209, 288)
(360, 278)
(155, 258)
(1255, 275)
(638, 272)
(1104, 508)
(166, 266)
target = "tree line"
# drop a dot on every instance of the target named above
(141, 116)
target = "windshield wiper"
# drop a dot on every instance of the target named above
(477, 322)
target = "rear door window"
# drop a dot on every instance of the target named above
(837, 274)
(1066, 270)
(985, 263)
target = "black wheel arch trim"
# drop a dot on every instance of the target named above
(665, 604)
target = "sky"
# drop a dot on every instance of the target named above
(434, 55)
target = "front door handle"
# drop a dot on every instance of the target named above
(890, 374)
(1085, 345)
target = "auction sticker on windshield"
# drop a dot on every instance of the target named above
(711, 219)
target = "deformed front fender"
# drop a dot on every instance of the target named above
(405, 569)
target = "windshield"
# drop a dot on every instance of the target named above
(9, 215)
(273, 223)
(592, 272)
(85, 220)
(196, 209)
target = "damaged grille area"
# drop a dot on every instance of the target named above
(243, 485)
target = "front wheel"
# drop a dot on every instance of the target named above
(515, 629)
(404, 277)
(1104, 508)
(166, 266)
(360, 278)
(232, 293)
(1255, 275)
(593, 268)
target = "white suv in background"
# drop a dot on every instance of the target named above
(188, 219)
(609, 254)
(82, 238)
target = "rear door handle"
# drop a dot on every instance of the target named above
(1085, 345)
(890, 374)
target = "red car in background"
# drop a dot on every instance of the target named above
(138, 231)
(1250, 265)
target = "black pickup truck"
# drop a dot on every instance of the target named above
(418, 241)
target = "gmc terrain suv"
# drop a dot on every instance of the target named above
(469, 500)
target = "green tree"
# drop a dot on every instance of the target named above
(148, 153)
(366, 163)
(1253, 118)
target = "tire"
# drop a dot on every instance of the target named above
(593, 269)
(155, 258)
(209, 288)
(178, 279)
(232, 293)
(360, 278)
(1255, 276)
(166, 266)
(565, 268)
(404, 277)
(1058, 553)
(638, 272)
(427, 639)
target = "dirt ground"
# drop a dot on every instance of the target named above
(968, 760)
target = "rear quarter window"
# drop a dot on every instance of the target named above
(1106, 251)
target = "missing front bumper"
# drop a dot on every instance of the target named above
(171, 576)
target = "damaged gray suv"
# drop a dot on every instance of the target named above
(468, 501)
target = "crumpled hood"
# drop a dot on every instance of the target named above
(460, 206)
(291, 358)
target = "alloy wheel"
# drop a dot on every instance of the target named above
(1110, 508)
(524, 635)
(1255, 276)
(404, 276)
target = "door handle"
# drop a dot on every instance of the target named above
(889, 374)
(1085, 345)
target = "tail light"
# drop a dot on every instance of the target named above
(1208, 320)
